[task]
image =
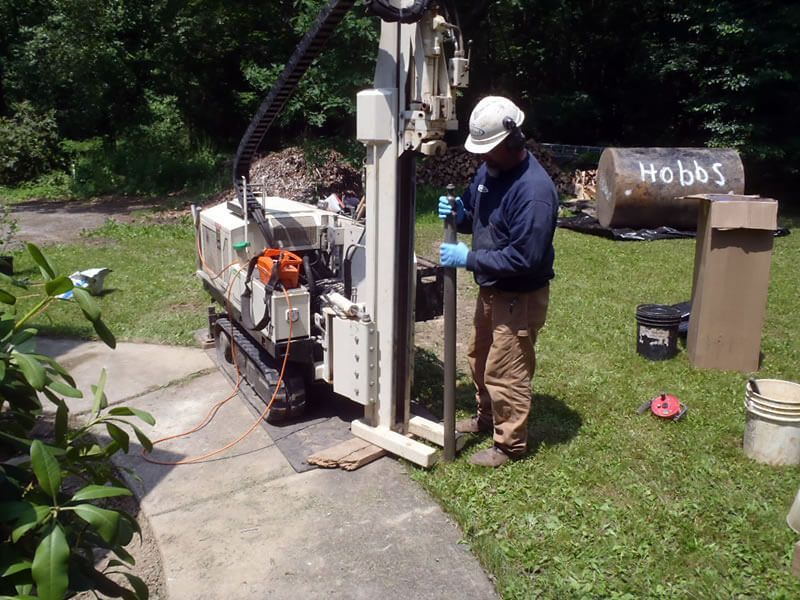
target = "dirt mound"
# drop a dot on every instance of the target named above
(290, 174)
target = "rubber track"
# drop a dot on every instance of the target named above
(309, 48)
(264, 378)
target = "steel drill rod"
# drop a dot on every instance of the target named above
(450, 237)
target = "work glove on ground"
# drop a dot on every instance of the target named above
(445, 208)
(453, 255)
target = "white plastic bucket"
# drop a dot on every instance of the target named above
(772, 430)
(793, 518)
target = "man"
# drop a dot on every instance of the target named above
(510, 209)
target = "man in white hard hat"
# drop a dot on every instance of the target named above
(510, 208)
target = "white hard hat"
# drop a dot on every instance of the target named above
(491, 121)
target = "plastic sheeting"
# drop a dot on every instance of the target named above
(585, 223)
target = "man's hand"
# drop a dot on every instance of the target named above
(445, 208)
(453, 255)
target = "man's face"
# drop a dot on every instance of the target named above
(500, 158)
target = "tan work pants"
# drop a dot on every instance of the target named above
(503, 359)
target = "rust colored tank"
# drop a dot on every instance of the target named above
(645, 187)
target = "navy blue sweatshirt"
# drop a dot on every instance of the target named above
(512, 219)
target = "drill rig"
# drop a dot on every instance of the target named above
(341, 293)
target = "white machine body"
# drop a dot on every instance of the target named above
(365, 337)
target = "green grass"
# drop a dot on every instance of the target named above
(615, 505)
(152, 293)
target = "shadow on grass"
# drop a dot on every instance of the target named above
(428, 389)
(551, 422)
(78, 332)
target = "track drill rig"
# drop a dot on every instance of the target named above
(341, 292)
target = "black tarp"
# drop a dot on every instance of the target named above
(586, 223)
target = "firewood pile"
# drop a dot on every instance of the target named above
(457, 166)
(584, 185)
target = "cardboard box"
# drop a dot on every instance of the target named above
(731, 280)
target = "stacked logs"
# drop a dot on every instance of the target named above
(457, 166)
(584, 185)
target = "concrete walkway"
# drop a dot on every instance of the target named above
(245, 524)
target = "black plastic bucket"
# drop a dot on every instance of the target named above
(657, 331)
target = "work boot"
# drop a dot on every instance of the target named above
(472, 425)
(491, 457)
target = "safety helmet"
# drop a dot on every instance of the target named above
(492, 120)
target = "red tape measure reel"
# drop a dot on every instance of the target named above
(665, 406)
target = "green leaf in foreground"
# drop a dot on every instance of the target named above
(46, 468)
(48, 272)
(17, 567)
(143, 439)
(49, 566)
(104, 333)
(62, 418)
(126, 411)
(31, 368)
(119, 436)
(142, 593)
(32, 518)
(100, 401)
(64, 389)
(93, 492)
(86, 303)
(104, 521)
(7, 298)
(60, 285)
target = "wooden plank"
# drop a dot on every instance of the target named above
(398, 444)
(433, 432)
(348, 455)
(796, 560)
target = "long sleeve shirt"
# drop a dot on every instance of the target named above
(512, 218)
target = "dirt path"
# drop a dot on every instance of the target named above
(58, 222)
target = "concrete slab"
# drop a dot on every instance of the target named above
(180, 408)
(244, 524)
(132, 369)
(366, 534)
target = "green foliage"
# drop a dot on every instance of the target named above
(50, 521)
(327, 91)
(28, 143)
(55, 185)
(82, 58)
(133, 74)
(154, 157)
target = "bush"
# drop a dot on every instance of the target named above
(28, 144)
(53, 483)
(155, 157)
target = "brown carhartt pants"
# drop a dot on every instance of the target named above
(503, 359)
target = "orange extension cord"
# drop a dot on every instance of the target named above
(214, 409)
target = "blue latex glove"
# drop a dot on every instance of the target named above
(444, 208)
(453, 255)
